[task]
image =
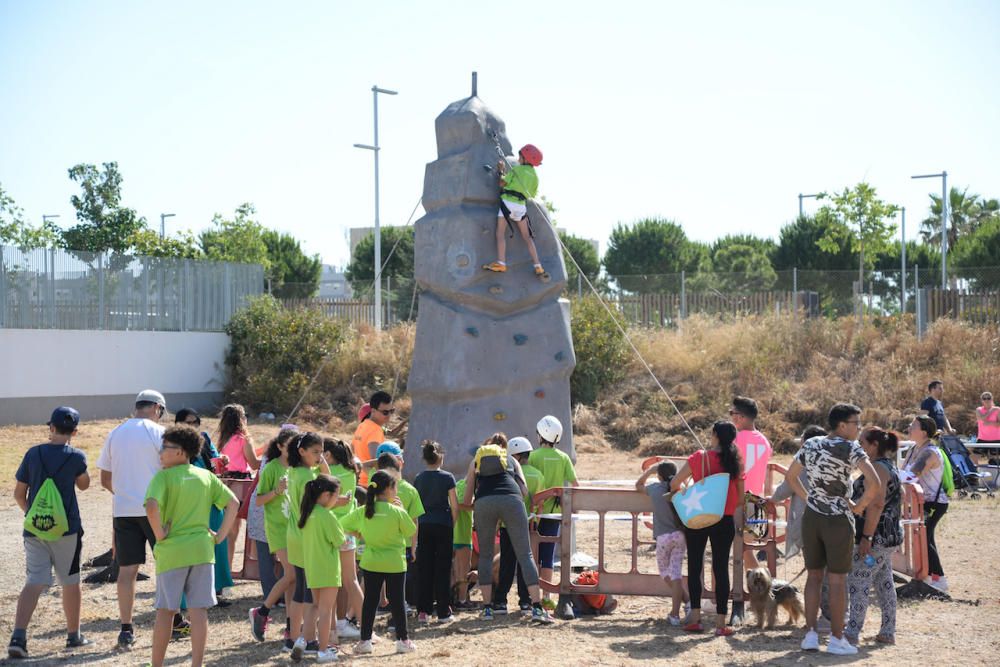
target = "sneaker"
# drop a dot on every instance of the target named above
(941, 583)
(181, 630)
(405, 646)
(258, 624)
(496, 267)
(298, 649)
(539, 615)
(312, 648)
(126, 638)
(329, 655)
(499, 609)
(446, 619)
(77, 641)
(287, 646)
(422, 617)
(487, 614)
(18, 648)
(840, 647)
(525, 608)
(363, 648)
(539, 271)
(675, 621)
(465, 605)
(566, 612)
(347, 630)
(811, 641)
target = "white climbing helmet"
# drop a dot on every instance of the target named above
(549, 429)
(518, 445)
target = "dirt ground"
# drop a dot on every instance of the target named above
(964, 630)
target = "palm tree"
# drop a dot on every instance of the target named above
(965, 213)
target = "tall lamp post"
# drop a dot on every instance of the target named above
(801, 197)
(163, 223)
(375, 148)
(944, 224)
(902, 262)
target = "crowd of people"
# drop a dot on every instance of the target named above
(339, 535)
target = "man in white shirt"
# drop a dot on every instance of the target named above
(128, 461)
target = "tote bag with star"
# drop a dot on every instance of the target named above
(702, 503)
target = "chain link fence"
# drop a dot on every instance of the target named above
(60, 289)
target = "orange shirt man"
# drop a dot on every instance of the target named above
(370, 432)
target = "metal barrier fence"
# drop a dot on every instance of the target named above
(60, 289)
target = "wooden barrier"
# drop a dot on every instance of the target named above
(249, 569)
(911, 557)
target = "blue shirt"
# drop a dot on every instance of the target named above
(935, 410)
(64, 464)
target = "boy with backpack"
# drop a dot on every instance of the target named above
(178, 502)
(53, 535)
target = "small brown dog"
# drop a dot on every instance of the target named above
(767, 595)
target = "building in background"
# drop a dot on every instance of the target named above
(333, 284)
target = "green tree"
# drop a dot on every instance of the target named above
(104, 224)
(602, 355)
(397, 276)
(236, 239)
(148, 243)
(977, 250)
(640, 256)
(966, 212)
(741, 267)
(16, 232)
(585, 254)
(821, 271)
(766, 247)
(293, 274)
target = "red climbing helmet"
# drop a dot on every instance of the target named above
(531, 154)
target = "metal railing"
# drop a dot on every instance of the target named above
(64, 289)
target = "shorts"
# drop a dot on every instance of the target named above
(670, 550)
(459, 547)
(63, 555)
(827, 542)
(197, 582)
(302, 594)
(547, 550)
(350, 543)
(517, 210)
(131, 535)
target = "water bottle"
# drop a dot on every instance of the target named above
(870, 560)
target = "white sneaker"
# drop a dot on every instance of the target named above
(840, 646)
(298, 649)
(674, 620)
(329, 655)
(811, 641)
(363, 648)
(405, 646)
(347, 630)
(941, 584)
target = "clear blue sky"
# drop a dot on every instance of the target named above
(715, 114)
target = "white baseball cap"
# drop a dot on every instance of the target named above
(151, 396)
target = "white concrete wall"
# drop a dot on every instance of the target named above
(103, 370)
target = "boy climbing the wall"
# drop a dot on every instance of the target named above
(516, 187)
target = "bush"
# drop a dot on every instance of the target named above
(602, 355)
(274, 352)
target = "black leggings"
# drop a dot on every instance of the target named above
(394, 582)
(721, 536)
(434, 551)
(932, 514)
(508, 566)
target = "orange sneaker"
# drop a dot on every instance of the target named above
(539, 271)
(495, 266)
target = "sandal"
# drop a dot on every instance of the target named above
(694, 627)
(724, 631)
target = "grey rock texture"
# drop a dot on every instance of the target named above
(493, 351)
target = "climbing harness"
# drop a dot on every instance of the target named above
(510, 193)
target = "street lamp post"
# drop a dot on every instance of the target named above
(378, 230)
(944, 224)
(801, 197)
(163, 224)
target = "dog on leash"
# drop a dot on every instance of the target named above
(766, 595)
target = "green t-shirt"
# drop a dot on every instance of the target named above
(462, 532)
(185, 495)
(348, 482)
(521, 178)
(275, 511)
(556, 468)
(410, 498)
(535, 482)
(298, 477)
(321, 540)
(386, 535)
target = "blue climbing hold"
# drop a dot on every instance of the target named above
(520, 339)
(472, 331)
(560, 356)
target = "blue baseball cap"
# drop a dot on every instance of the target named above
(64, 417)
(388, 447)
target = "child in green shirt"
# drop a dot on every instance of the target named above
(462, 544)
(386, 528)
(321, 540)
(341, 459)
(178, 502)
(516, 187)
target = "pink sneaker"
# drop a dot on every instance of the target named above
(258, 624)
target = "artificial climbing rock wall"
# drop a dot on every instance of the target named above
(493, 351)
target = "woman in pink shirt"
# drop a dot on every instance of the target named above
(988, 420)
(237, 446)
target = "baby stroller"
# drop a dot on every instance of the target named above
(969, 482)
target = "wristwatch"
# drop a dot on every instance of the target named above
(867, 537)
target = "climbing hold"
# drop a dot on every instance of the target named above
(472, 331)
(560, 356)
(499, 416)
(462, 260)
(520, 339)
(540, 394)
(496, 289)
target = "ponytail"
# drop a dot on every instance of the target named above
(886, 441)
(432, 452)
(295, 447)
(379, 483)
(314, 489)
(339, 451)
(729, 455)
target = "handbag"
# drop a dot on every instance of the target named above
(701, 504)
